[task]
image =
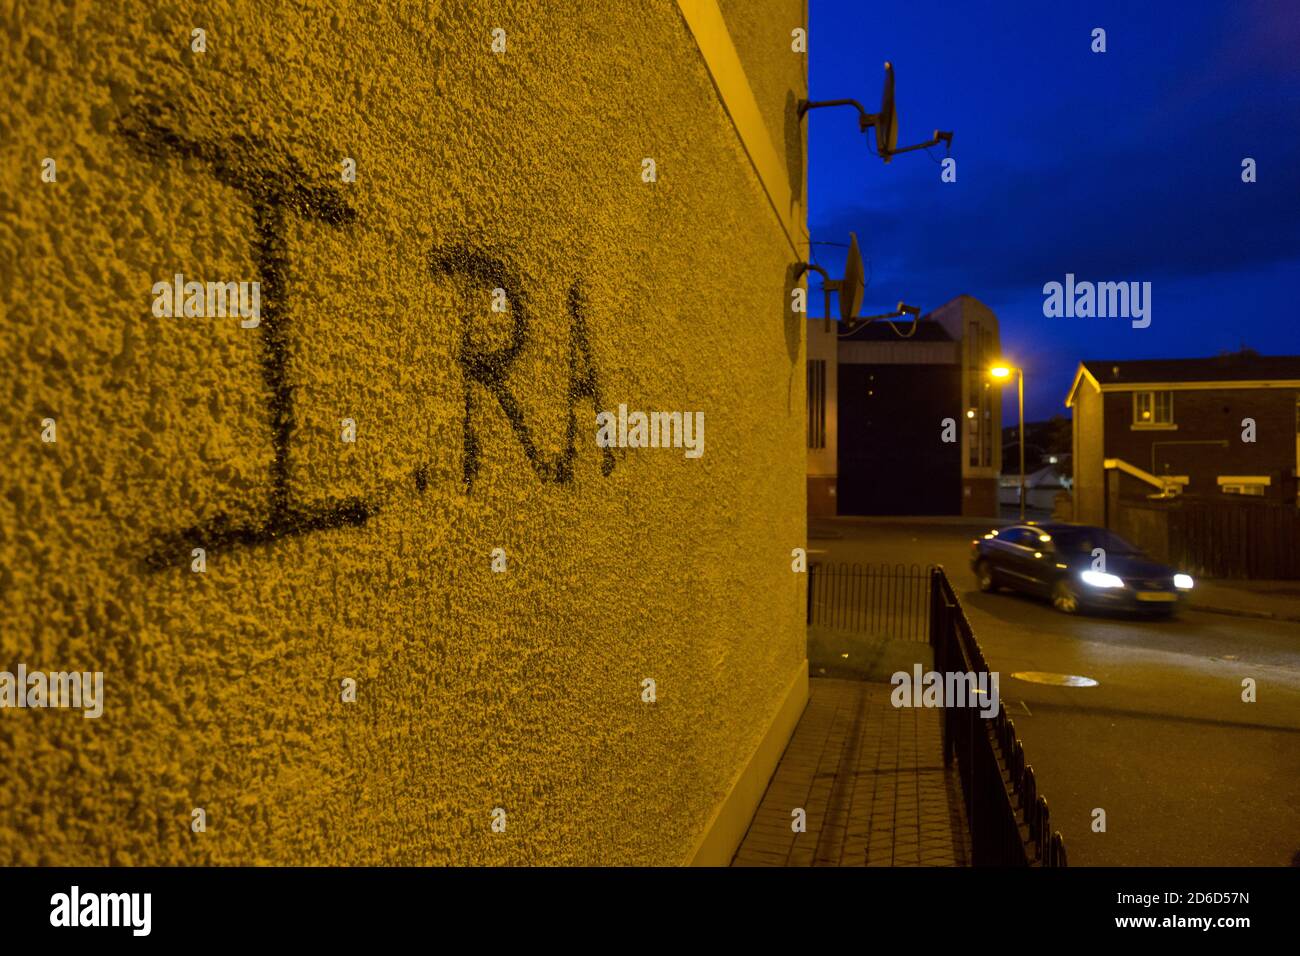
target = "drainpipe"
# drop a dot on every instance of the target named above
(1105, 496)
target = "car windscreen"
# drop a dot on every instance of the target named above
(1087, 540)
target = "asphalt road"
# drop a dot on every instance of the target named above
(1186, 772)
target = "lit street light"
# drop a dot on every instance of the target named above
(1004, 371)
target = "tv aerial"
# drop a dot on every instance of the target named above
(885, 123)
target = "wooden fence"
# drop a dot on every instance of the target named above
(1227, 536)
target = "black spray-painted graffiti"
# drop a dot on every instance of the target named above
(489, 368)
(274, 190)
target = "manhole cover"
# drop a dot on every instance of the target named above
(1057, 680)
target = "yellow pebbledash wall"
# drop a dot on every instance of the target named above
(372, 561)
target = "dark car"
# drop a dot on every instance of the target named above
(1077, 566)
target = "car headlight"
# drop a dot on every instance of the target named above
(1183, 581)
(1100, 579)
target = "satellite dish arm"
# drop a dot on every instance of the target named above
(902, 310)
(828, 286)
(811, 267)
(865, 119)
(940, 136)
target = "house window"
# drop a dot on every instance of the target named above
(1153, 408)
(817, 403)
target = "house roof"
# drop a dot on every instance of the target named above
(879, 331)
(1221, 370)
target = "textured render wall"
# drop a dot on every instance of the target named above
(328, 560)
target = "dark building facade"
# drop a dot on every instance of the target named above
(891, 460)
(905, 420)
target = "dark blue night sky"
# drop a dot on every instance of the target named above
(1122, 166)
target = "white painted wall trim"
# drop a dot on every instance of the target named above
(707, 25)
(730, 820)
(1245, 480)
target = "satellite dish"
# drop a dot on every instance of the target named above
(853, 285)
(850, 288)
(887, 121)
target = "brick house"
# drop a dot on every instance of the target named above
(1173, 426)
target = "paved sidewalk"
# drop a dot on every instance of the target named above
(870, 777)
(1267, 599)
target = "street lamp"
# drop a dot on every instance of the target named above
(1003, 371)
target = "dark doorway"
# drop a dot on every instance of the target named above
(892, 460)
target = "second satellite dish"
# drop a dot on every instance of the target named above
(853, 285)
(850, 288)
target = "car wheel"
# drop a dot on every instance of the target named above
(1064, 599)
(984, 576)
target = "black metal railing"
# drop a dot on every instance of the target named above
(1008, 818)
(889, 600)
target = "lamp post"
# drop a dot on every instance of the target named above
(1002, 371)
